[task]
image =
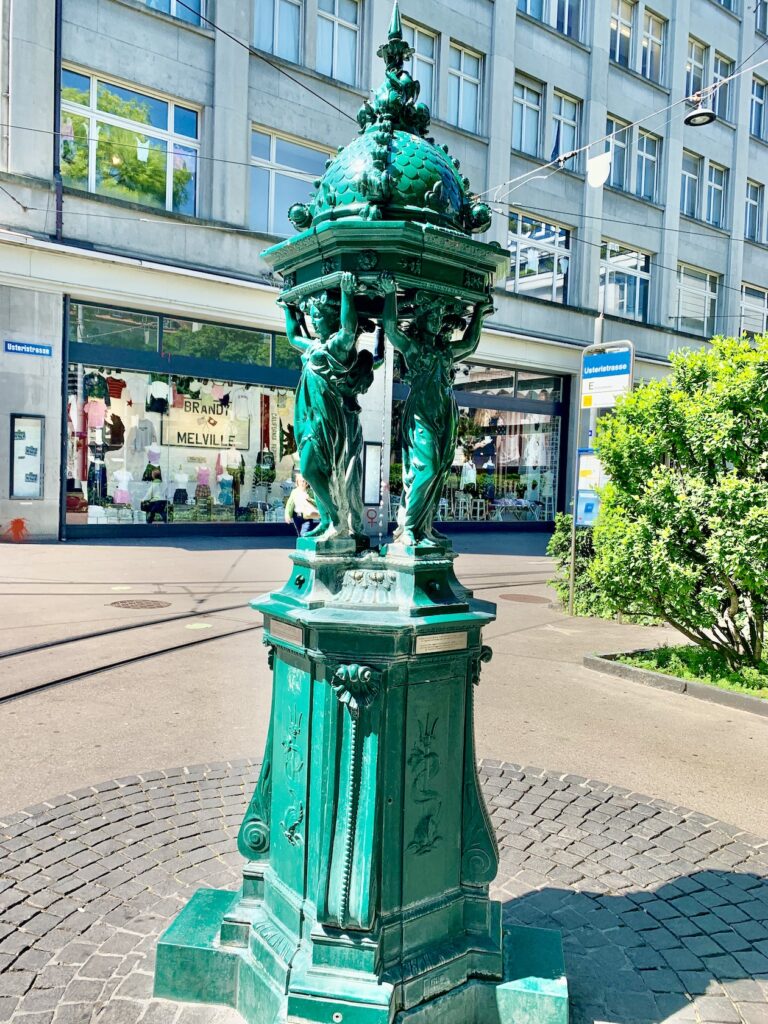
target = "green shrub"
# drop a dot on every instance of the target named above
(587, 597)
(683, 527)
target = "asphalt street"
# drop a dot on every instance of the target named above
(184, 680)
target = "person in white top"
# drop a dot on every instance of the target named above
(300, 509)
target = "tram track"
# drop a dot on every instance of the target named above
(25, 670)
(73, 677)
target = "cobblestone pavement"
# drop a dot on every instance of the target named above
(664, 911)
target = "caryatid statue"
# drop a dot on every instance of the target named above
(327, 416)
(431, 416)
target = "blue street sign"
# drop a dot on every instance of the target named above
(28, 348)
(607, 364)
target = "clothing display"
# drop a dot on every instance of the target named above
(180, 496)
(202, 492)
(114, 433)
(204, 476)
(97, 483)
(226, 495)
(468, 475)
(95, 409)
(154, 455)
(115, 386)
(158, 396)
(141, 436)
(95, 385)
(535, 450)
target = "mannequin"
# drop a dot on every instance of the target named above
(226, 489)
(181, 479)
(122, 478)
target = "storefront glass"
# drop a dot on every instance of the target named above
(507, 459)
(150, 447)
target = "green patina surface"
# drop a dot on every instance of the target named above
(369, 851)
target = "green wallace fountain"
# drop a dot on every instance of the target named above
(369, 850)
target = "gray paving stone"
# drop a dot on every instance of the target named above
(644, 891)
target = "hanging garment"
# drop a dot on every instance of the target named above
(115, 386)
(468, 475)
(95, 385)
(95, 409)
(114, 435)
(536, 451)
(180, 496)
(158, 396)
(142, 436)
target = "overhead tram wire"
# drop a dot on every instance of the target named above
(256, 53)
(558, 162)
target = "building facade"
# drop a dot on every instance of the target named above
(150, 149)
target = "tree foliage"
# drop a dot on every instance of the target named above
(683, 527)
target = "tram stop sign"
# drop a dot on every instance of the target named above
(605, 376)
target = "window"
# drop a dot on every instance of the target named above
(689, 185)
(757, 118)
(565, 124)
(727, 4)
(695, 67)
(696, 300)
(622, 16)
(338, 24)
(423, 63)
(282, 173)
(563, 15)
(754, 310)
(526, 117)
(119, 142)
(722, 70)
(648, 156)
(618, 143)
(191, 11)
(277, 27)
(540, 258)
(464, 80)
(652, 60)
(625, 281)
(717, 183)
(753, 213)
(761, 17)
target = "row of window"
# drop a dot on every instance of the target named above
(542, 263)
(120, 142)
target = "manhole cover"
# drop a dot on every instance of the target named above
(524, 598)
(140, 604)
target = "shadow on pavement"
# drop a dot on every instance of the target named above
(695, 949)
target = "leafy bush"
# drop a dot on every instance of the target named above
(683, 527)
(587, 598)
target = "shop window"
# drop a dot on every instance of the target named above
(285, 355)
(540, 258)
(116, 328)
(119, 142)
(214, 341)
(505, 467)
(282, 173)
(151, 447)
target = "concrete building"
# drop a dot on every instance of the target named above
(149, 150)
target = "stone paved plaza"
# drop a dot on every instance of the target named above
(664, 911)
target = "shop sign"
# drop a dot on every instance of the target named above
(27, 348)
(200, 424)
(605, 376)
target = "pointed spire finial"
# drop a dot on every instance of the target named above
(395, 25)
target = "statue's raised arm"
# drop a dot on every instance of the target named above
(402, 342)
(341, 343)
(295, 327)
(467, 344)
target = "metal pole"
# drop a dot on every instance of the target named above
(598, 346)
